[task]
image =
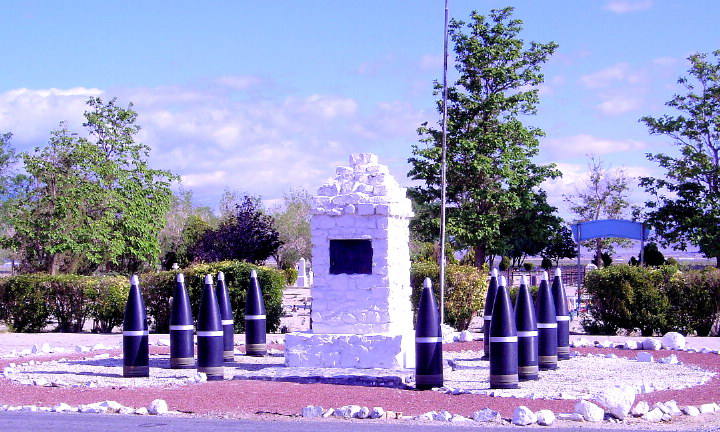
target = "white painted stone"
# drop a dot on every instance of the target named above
(486, 415)
(545, 417)
(112, 406)
(377, 412)
(673, 408)
(582, 342)
(363, 413)
(163, 342)
(62, 407)
(691, 411)
(141, 411)
(465, 336)
(29, 408)
(640, 409)
(661, 406)
(589, 411)
(651, 344)
(312, 411)
(644, 357)
(655, 415)
(82, 348)
(523, 416)
(671, 359)
(428, 416)
(457, 418)
(708, 408)
(631, 344)
(605, 344)
(158, 407)
(617, 400)
(347, 411)
(97, 347)
(571, 417)
(673, 341)
(443, 416)
(94, 408)
(126, 410)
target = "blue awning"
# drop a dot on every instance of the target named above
(610, 228)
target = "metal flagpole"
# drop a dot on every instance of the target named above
(443, 173)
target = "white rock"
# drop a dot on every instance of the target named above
(673, 341)
(708, 408)
(640, 409)
(631, 344)
(111, 406)
(523, 416)
(653, 416)
(363, 413)
(430, 415)
(157, 407)
(589, 411)
(571, 417)
(644, 357)
(671, 359)
(666, 417)
(98, 347)
(163, 342)
(582, 342)
(126, 410)
(673, 408)
(661, 406)
(651, 344)
(25, 352)
(141, 411)
(486, 415)
(312, 411)
(465, 336)
(545, 417)
(457, 418)
(691, 411)
(29, 408)
(35, 349)
(62, 407)
(443, 415)
(329, 412)
(617, 400)
(91, 409)
(82, 348)
(377, 412)
(347, 411)
(606, 344)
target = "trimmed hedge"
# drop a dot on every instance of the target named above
(28, 303)
(652, 300)
(158, 289)
(465, 290)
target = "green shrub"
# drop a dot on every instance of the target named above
(514, 292)
(652, 255)
(25, 305)
(108, 306)
(291, 275)
(546, 264)
(465, 290)
(672, 262)
(606, 259)
(528, 266)
(652, 300)
(504, 263)
(158, 289)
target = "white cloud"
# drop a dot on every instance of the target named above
(626, 6)
(619, 104)
(432, 62)
(666, 61)
(239, 82)
(583, 144)
(619, 73)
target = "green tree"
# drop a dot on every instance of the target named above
(91, 201)
(560, 245)
(292, 222)
(605, 196)
(184, 225)
(489, 150)
(686, 205)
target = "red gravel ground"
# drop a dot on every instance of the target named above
(247, 398)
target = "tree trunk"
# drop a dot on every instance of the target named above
(480, 255)
(717, 261)
(54, 264)
(598, 252)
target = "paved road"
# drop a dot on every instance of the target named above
(50, 422)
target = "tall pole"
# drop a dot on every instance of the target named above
(443, 172)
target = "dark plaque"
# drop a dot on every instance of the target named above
(351, 256)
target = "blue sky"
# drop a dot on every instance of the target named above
(266, 96)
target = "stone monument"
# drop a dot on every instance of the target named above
(361, 311)
(302, 278)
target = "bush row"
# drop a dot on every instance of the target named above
(465, 290)
(652, 300)
(28, 303)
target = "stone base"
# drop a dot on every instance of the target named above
(387, 351)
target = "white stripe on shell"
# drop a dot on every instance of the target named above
(210, 333)
(547, 325)
(527, 333)
(135, 332)
(503, 338)
(228, 322)
(182, 327)
(428, 339)
(254, 317)
(562, 318)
